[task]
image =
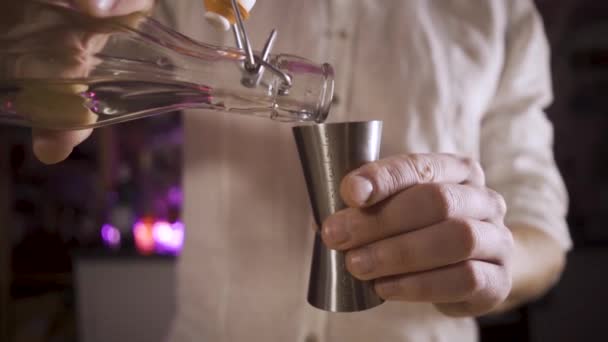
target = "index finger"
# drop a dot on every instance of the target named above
(375, 181)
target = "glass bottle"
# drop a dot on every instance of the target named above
(62, 70)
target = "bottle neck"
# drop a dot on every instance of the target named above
(164, 56)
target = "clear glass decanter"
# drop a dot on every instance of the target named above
(60, 69)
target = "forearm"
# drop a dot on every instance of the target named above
(537, 265)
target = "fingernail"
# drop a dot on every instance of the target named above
(335, 231)
(361, 261)
(95, 7)
(104, 5)
(360, 189)
(49, 152)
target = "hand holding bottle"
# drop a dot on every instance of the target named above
(71, 53)
(64, 70)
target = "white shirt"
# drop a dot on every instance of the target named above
(466, 77)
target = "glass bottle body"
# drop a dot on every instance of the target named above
(62, 70)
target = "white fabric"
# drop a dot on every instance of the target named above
(467, 77)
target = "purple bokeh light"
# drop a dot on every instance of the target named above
(168, 238)
(175, 196)
(162, 233)
(110, 235)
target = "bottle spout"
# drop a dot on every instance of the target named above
(309, 98)
(327, 95)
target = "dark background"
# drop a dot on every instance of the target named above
(56, 212)
(574, 310)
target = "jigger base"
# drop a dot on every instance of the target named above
(337, 291)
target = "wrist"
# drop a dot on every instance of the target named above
(538, 262)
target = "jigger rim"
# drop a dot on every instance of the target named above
(331, 124)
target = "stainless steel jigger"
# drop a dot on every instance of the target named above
(328, 152)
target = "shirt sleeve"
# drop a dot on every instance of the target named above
(516, 136)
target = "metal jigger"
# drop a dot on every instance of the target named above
(328, 152)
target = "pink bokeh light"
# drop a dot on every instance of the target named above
(144, 241)
(158, 236)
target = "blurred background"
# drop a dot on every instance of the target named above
(74, 228)
(89, 244)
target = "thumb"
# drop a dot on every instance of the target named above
(51, 147)
(110, 8)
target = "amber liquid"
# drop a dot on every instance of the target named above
(224, 8)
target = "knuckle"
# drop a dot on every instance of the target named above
(473, 165)
(474, 278)
(390, 177)
(468, 236)
(508, 242)
(476, 172)
(397, 173)
(499, 201)
(443, 198)
(424, 168)
(470, 162)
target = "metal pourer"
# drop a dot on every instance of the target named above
(253, 67)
